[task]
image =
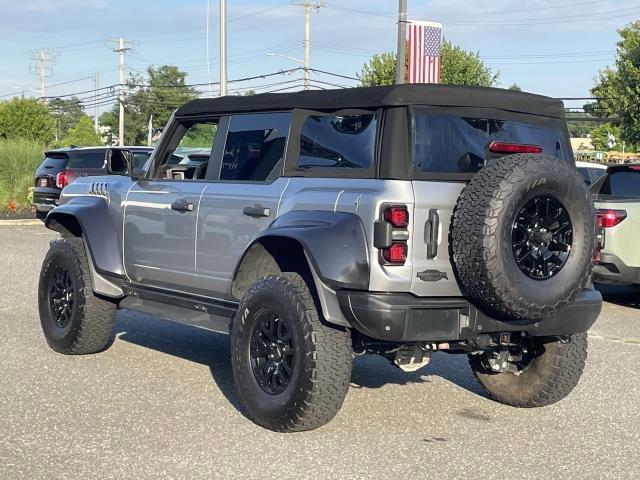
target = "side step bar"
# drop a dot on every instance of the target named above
(211, 314)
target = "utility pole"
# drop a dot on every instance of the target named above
(402, 41)
(223, 48)
(207, 49)
(41, 65)
(124, 46)
(308, 6)
(95, 113)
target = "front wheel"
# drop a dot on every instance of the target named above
(291, 370)
(74, 320)
(546, 372)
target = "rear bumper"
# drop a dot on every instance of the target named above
(611, 269)
(402, 317)
(45, 199)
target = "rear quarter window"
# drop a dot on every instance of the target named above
(453, 144)
(91, 159)
(338, 141)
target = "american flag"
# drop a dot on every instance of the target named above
(424, 40)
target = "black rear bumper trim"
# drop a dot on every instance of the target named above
(611, 269)
(402, 317)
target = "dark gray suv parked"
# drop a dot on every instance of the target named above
(62, 166)
(397, 221)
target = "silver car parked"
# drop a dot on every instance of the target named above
(395, 220)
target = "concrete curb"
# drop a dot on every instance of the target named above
(22, 222)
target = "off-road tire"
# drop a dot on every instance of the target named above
(90, 328)
(548, 379)
(481, 236)
(322, 371)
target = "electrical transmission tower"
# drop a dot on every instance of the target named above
(122, 46)
(308, 7)
(41, 64)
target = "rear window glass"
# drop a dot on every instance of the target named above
(623, 184)
(87, 159)
(58, 162)
(447, 143)
(342, 141)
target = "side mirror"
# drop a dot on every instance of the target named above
(119, 162)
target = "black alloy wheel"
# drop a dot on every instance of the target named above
(272, 351)
(542, 237)
(61, 297)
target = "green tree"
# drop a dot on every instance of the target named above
(159, 93)
(380, 70)
(459, 67)
(579, 128)
(83, 134)
(26, 118)
(515, 87)
(600, 137)
(66, 113)
(618, 88)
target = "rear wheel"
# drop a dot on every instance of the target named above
(291, 370)
(544, 372)
(74, 320)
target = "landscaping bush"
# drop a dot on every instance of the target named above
(19, 159)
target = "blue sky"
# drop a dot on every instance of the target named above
(553, 47)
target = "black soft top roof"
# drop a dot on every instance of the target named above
(374, 97)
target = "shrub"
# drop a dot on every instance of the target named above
(19, 159)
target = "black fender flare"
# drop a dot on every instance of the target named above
(96, 226)
(334, 242)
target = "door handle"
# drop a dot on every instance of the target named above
(182, 205)
(431, 230)
(257, 211)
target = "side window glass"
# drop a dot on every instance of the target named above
(255, 145)
(190, 159)
(342, 141)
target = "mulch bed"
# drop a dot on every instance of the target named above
(19, 214)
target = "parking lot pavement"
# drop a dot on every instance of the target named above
(161, 404)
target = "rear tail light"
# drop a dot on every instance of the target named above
(64, 178)
(397, 216)
(507, 147)
(608, 218)
(396, 254)
(393, 235)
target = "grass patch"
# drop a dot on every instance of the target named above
(19, 159)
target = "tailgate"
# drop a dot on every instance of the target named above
(622, 239)
(433, 209)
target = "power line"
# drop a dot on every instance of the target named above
(334, 74)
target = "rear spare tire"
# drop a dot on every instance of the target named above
(523, 236)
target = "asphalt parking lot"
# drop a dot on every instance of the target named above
(161, 404)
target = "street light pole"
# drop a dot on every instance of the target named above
(402, 41)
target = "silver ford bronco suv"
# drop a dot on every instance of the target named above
(398, 221)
